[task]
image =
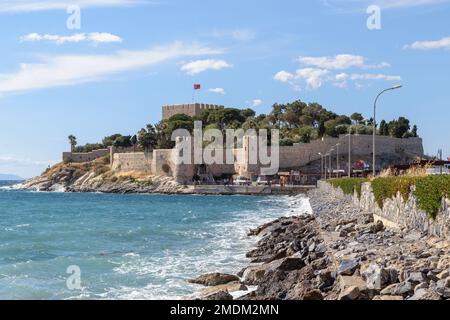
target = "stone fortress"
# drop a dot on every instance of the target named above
(301, 157)
(192, 110)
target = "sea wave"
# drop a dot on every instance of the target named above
(230, 243)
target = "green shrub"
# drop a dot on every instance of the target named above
(387, 188)
(349, 185)
(429, 192)
(429, 189)
(145, 183)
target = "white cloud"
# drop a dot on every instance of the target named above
(93, 37)
(243, 34)
(341, 77)
(44, 5)
(443, 43)
(256, 102)
(359, 5)
(312, 76)
(199, 66)
(388, 4)
(369, 76)
(340, 62)
(323, 69)
(284, 76)
(217, 90)
(340, 80)
(65, 70)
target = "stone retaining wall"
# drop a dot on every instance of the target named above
(397, 213)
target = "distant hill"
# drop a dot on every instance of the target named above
(13, 177)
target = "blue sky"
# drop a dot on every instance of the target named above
(131, 57)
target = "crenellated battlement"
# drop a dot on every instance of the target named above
(193, 109)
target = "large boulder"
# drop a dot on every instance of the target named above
(214, 279)
(398, 289)
(376, 277)
(425, 294)
(228, 287)
(351, 293)
(219, 296)
(253, 275)
(348, 267)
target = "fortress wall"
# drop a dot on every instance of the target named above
(296, 156)
(361, 145)
(138, 161)
(84, 157)
(160, 158)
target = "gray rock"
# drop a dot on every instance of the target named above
(376, 227)
(351, 293)
(376, 277)
(288, 264)
(444, 274)
(219, 296)
(214, 279)
(422, 285)
(416, 278)
(425, 294)
(403, 288)
(441, 289)
(348, 267)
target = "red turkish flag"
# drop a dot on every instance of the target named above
(197, 86)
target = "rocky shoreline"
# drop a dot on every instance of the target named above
(96, 176)
(338, 253)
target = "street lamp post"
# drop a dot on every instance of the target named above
(321, 165)
(374, 122)
(331, 166)
(350, 151)
(337, 159)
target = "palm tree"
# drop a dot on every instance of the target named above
(73, 142)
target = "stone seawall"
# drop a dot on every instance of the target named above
(397, 213)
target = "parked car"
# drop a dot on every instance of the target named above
(242, 181)
(434, 170)
(263, 181)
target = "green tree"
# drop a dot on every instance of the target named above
(305, 134)
(109, 140)
(321, 129)
(384, 128)
(247, 113)
(357, 117)
(398, 128)
(73, 142)
(134, 140)
(414, 131)
(123, 142)
(148, 138)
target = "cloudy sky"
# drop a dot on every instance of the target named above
(130, 57)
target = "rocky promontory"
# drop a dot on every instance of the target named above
(339, 253)
(96, 176)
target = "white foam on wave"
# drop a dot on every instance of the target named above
(18, 186)
(224, 252)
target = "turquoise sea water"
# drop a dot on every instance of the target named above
(126, 246)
